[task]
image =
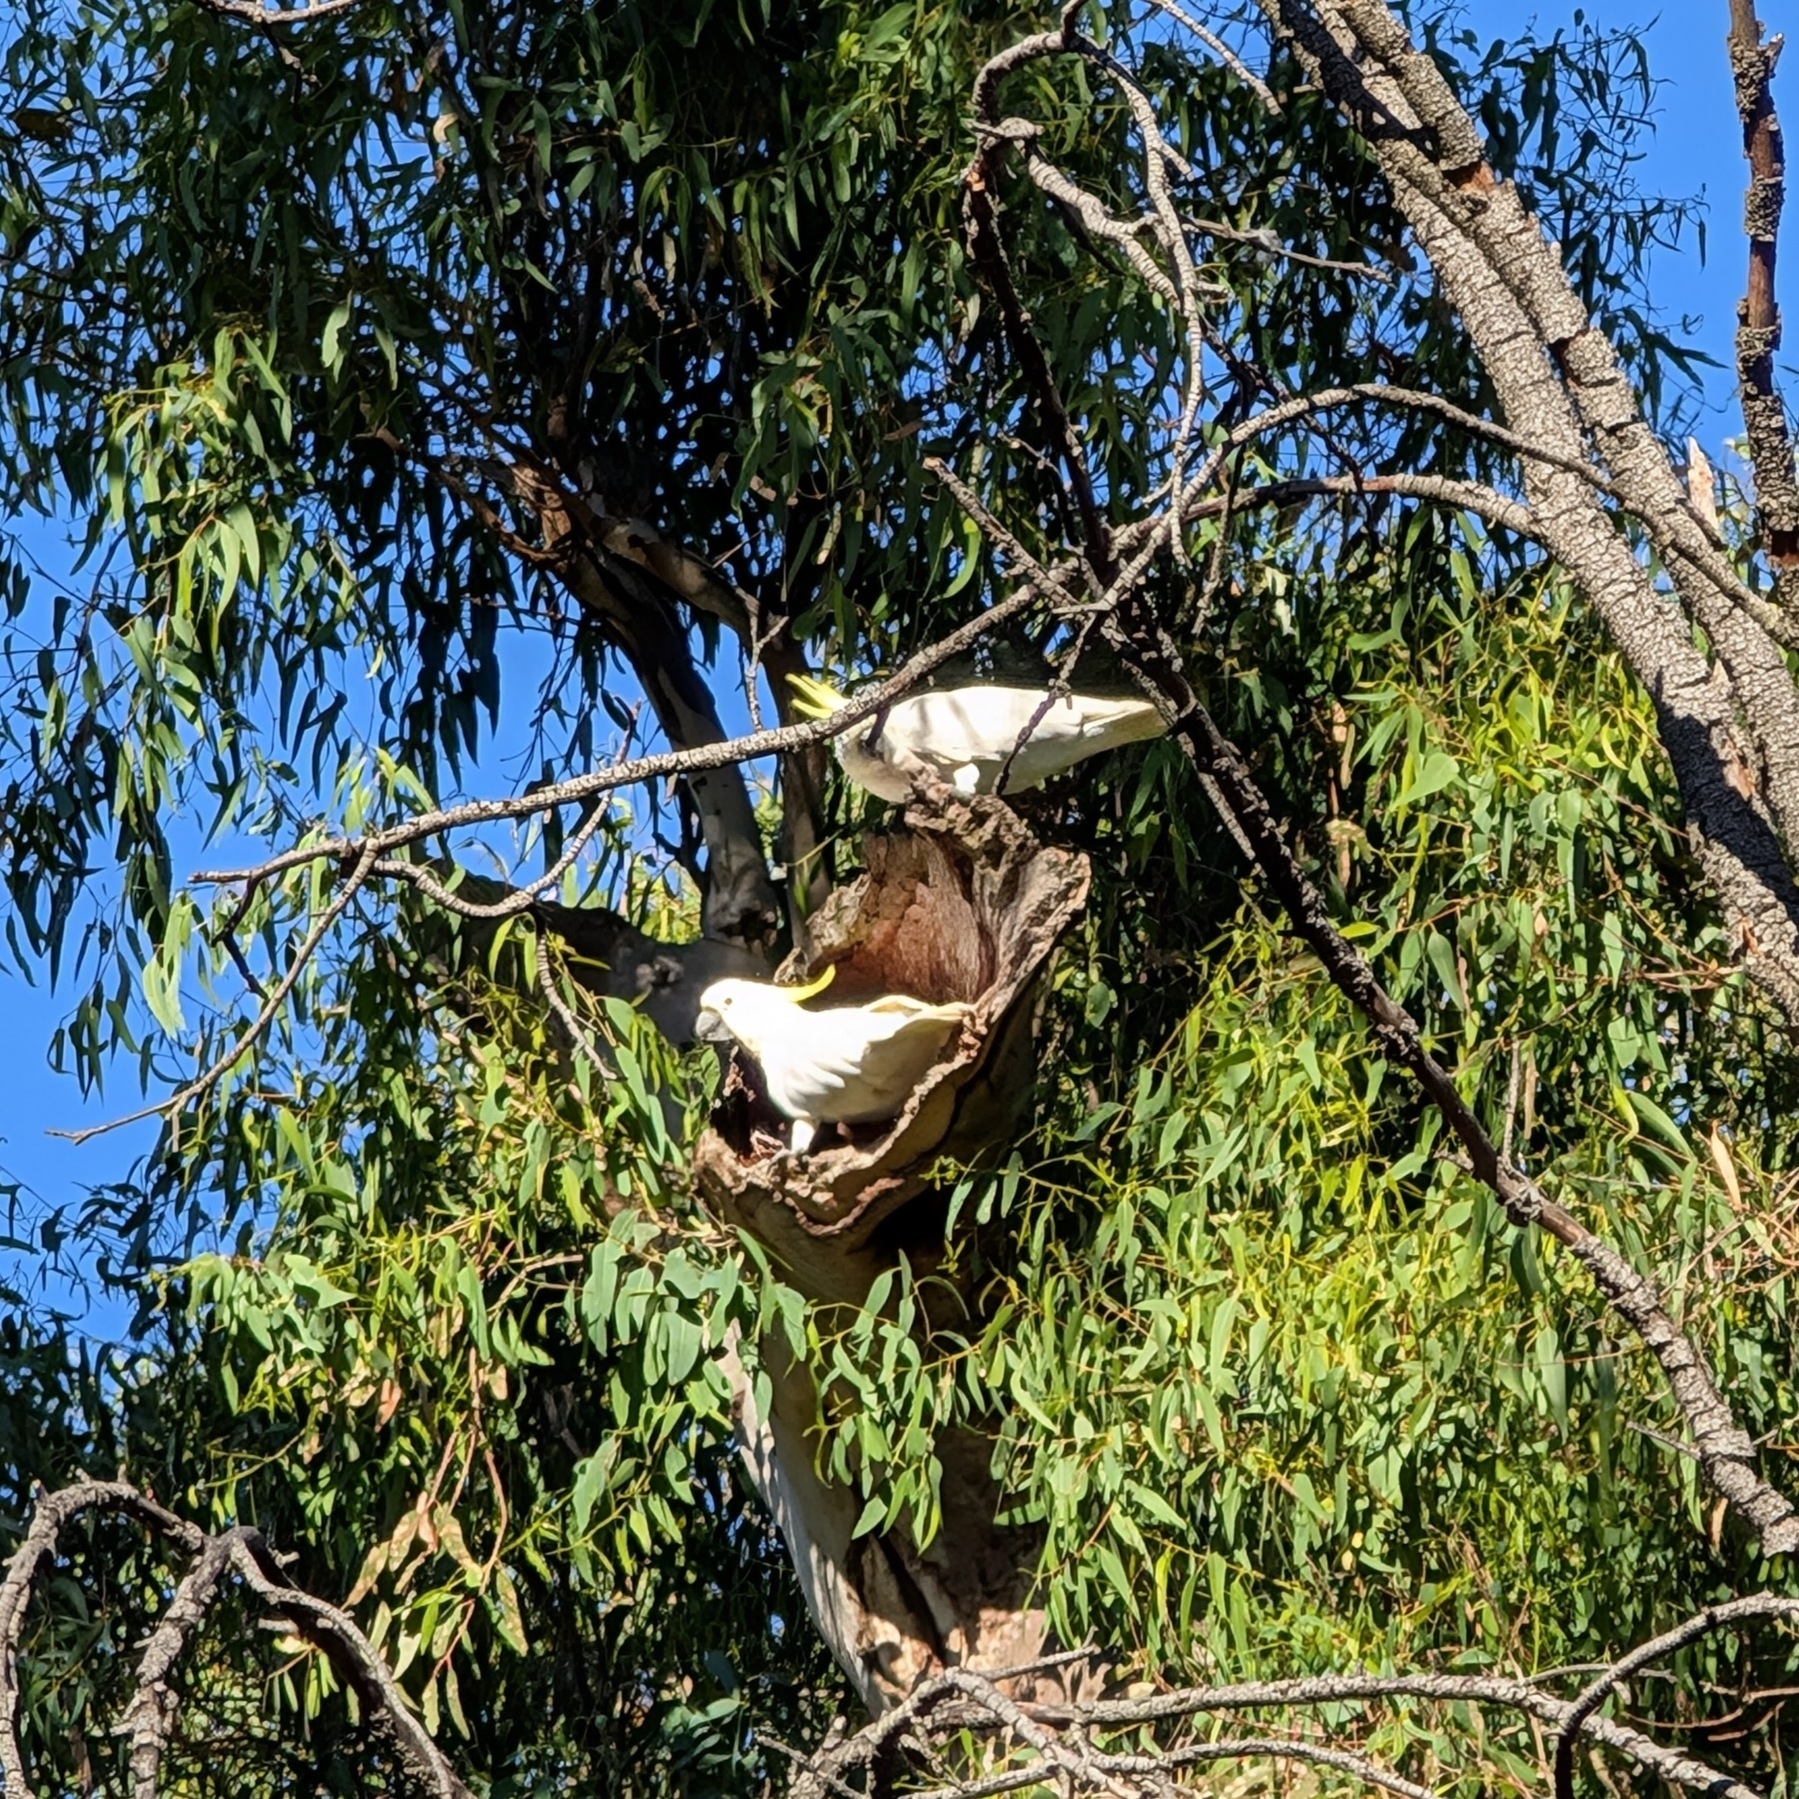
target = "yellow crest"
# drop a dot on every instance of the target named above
(812, 989)
(813, 698)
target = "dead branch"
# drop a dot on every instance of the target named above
(253, 14)
(1758, 314)
(1592, 1696)
(151, 1711)
(1059, 1747)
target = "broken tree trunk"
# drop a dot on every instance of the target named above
(963, 905)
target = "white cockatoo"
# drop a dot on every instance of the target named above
(967, 735)
(848, 1064)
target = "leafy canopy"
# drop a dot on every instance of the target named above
(298, 327)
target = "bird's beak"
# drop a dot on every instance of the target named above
(813, 698)
(710, 1028)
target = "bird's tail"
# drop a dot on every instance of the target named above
(813, 698)
(1133, 721)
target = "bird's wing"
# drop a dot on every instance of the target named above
(903, 1005)
(954, 726)
(983, 729)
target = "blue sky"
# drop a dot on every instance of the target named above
(1696, 151)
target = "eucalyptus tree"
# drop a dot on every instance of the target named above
(1345, 1259)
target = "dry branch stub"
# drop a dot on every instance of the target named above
(965, 904)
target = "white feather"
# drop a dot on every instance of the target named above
(843, 1064)
(968, 736)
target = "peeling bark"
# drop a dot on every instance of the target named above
(1730, 726)
(965, 905)
(892, 1615)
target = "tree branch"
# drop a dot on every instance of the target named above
(1731, 729)
(253, 14)
(1591, 1697)
(364, 862)
(1758, 314)
(151, 1711)
(1725, 1451)
(1057, 1733)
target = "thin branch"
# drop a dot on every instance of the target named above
(1223, 52)
(1591, 1697)
(579, 1037)
(50, 1513)
(336, 1634)
(1337, 1689)
(205, 1081)
(641, 768)
(253, 14)
(1271, 245)
(1094, 1769)
(1752, 65)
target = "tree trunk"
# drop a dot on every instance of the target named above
(965, 905)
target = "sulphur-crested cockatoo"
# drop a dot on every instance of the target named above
(967, 735)
(849, 1064)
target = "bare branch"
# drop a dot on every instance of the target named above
(641, 768)
(1590, 1698)
(1223, 52)
(253, 14)
(1758, 315)
(204, 1082)
(151, 1711)
(51, 1512)
(1059, 1734)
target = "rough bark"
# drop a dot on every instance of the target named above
(964, 905)
(1730, 726)
(1758, 314)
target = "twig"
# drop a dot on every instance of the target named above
(253, 14)
(204, 1082)
(1591, 1697)
(552, 997)
(1758, 318)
